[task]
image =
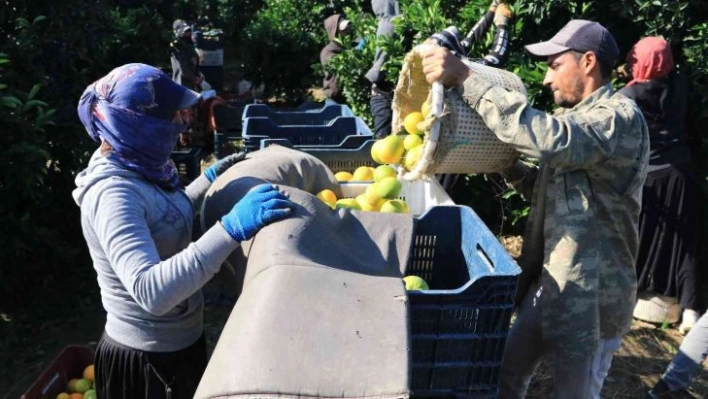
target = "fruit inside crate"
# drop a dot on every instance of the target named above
(70, 363)
(420, 195)
(459, 326)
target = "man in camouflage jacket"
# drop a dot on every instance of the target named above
(578, 285)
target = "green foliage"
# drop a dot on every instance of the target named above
(23, 166)
(682, 23)
(51, 52)
(278, 47)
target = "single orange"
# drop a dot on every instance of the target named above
(328, 197)
(411, 121)
(88, 373)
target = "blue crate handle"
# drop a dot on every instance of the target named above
(477, 242)
(349, 144)
(327, 112)
(282, 142)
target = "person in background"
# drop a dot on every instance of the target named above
(666, 261)
(138, 222)
(578, 284)
(184, 57)
(381, 85)
(499, 14)
(338, 29)
(679, 374)
(185, 70)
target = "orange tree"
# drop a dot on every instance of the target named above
(49, 52)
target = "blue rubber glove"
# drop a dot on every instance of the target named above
(221, 165)
(261, 206)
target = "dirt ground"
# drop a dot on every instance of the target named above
(646, 351)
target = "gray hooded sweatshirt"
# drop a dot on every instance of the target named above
(149, 270)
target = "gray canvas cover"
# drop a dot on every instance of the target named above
(323, 309)
(275, 164)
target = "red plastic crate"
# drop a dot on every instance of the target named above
(70, 363)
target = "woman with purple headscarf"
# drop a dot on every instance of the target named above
(137, 223)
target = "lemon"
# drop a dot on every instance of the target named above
(63, 395)
(425, 109)
(391, 149)
(415, 283)
(364, 203)
(371, 194)
(363, 173)
(347, 203)
(411, 121)
(412, 141)
(394, 206)
(343, 176)
(328, 197)
(389, 188)
(412, 157)
(383, 171)
(375, 151)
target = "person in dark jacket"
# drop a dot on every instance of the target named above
(381, 85)
(337, 28)
(183, 56)
(666, 259)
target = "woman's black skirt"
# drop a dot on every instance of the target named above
(667, 236)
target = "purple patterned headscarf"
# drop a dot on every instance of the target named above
(132, 108)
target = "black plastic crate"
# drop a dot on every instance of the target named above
(351, 153)
(459, 326)
(321, 116)
(188, 162)
(257, 129)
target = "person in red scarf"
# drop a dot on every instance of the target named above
(666, 260)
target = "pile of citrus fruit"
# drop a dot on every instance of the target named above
(80, 388)
(390, 153)
(380, 196)
(404, 149)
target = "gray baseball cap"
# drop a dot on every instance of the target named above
(580, 35)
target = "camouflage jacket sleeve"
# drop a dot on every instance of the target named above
(573, 139)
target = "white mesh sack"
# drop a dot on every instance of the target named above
(456, 137)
